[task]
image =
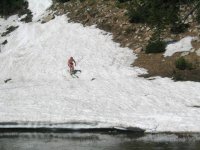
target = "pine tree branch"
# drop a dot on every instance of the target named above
(191, 12)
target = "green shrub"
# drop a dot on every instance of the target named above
(182, 64)
(156, 47)
(122, 1)
(198, 15)
(62, 1)
(179, 28)
(177, 76)
(137, 13)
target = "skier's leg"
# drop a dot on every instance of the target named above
(70, 70)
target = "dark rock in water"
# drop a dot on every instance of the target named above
(7, 80)
(93, 79)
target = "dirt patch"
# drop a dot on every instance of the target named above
(157, 65)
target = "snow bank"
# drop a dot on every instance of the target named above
(38, 7)
(183, 45)
(108, 91)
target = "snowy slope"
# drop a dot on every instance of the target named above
(108, 92)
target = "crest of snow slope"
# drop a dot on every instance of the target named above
(38, 7)
(42, 90)
(183, 45)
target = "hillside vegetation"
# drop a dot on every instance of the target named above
(8, 7)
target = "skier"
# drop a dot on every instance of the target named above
(71, 63)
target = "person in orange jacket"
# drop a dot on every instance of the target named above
(71, 63)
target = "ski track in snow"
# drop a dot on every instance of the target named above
(41, 89)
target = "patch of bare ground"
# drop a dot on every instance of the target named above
(157, 65)
(111, 17)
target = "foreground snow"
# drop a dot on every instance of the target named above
(108, 92)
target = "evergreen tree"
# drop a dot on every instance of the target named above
(8, 7)
(157, 13)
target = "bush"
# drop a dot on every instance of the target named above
(156, 47)
(62, 1)
(137, 13)
(182, 64)
(122, 1)
(198, 15)
(136, 17)
(179, 28)
(177, 76)
(8, 7)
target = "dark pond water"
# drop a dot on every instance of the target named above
(98, 141)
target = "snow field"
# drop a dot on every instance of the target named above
(108, 92)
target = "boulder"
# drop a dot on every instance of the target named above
(184, 53)
(138, 50)
(48, 18)
(198, 52)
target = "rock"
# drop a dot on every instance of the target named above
(7, 80)
(168, 40)
(195, 30)
(128, 44)
(195, 39)
(108, 16)
(9, 30)
(192, 50)
(48, 18)
(198, 26)
(5, 42)
(184, 53)
(65, 4)
(190, 19)
(138, 50)
(93, 79)
(147, 38)
(173, 36)
(198, 52)
(140, 40)
(61, 11)
(147, 29)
